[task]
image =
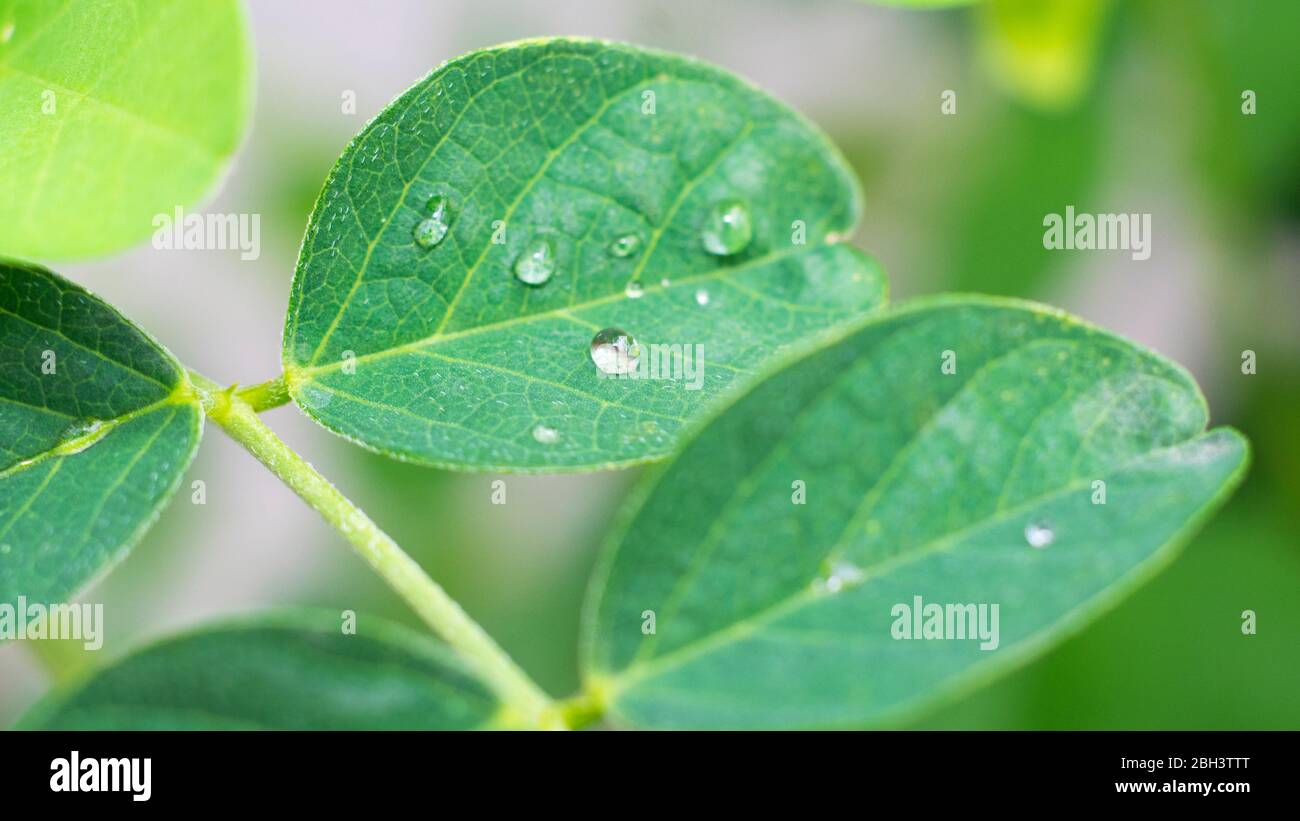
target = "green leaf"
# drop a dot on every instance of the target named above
(97, 425)
(288, 671)
(918, 483)
(112, 112)
(441, 355)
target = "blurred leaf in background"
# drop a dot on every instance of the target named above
(143, 121)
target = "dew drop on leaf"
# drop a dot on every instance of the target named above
(614, 351)
(440, 209)
(546, 435)
(79, 436)
(625, 246)
(702, 297)
(841, 574)
(537, 263)
(634, 290)
(1039, 534)
(429, 232)
(728, 229)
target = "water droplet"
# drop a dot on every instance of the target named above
(536, 264)
(546, 435)
(841, 574)
(634, 290)
(79, 436)
(625, 246)
(7, 33)
(429, 232)
(702, 297)
(1039, 534)
(665, 282)
(728, 229)
(614, 351)
(82, 428)
(440, 209)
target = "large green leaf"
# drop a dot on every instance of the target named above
(291, 671)
(97, 424)
(918, 483)
(441, 355)
(112, 112)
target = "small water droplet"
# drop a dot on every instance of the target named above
(634, 290)
(7, 33)
(625, 246)
(546, 435)
(1039, 534)
(614, 351)
(537, 263)
(665, 282)
(727, 229)
(701, 297)
(841, 574)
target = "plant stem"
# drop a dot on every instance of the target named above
(525, 701)
(270, 394)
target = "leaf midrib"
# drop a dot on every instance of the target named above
(177, 397)
(299, 373)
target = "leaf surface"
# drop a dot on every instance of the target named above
(111, 113)
(770, 613)
(97, 425)
(287, 671)
(442, 355)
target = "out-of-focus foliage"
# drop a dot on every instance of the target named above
(112, 112)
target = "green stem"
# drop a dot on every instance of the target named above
(270, 394)
(525, 701)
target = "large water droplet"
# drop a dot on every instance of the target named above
(537, 263)
(546, 435)
(727, 229)
(614, 351)
(1039, 534)
(625, 246)
(429, 232)
(634, 290)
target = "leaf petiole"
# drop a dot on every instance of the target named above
(270, 394)
(527, 705)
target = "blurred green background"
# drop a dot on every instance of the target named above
(1109, 107)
